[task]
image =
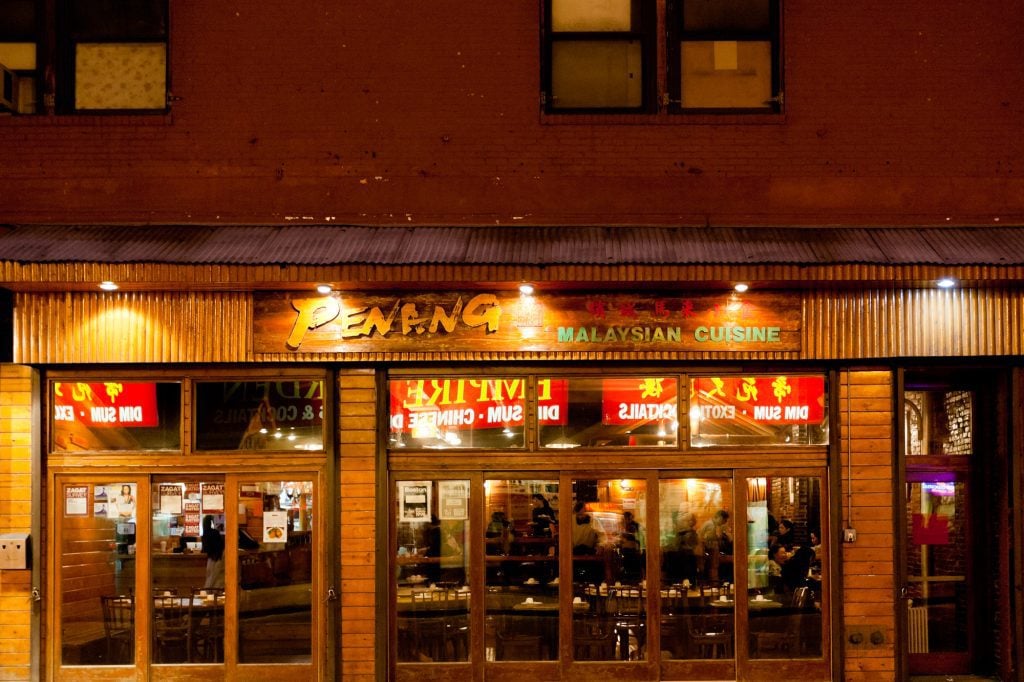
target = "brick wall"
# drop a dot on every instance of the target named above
(868, 565)
(15, 516)
(358, 450)
(385, 111)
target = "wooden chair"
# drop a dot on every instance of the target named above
(206, 622)
(517, 647)
(171, 630)
(711, 635)
(119, 628)
(593, 638)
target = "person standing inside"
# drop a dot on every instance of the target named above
(213, 548)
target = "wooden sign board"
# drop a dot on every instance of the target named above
(350, 322)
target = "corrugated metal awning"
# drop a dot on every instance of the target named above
(520, 245)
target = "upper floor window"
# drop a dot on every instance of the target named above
(79, 56)
(721, 56)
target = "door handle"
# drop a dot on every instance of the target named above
(904, 592)
(332, 594)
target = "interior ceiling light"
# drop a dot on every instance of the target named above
(946, 282)
(324, 289)
(526, 289)
(741, 287)
(108, 286)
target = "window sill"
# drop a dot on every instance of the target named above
(664, 119)
(90, 120)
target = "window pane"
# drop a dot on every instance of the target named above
(17, 19)
(118, 19)
(97, 558)
(116, 415)
(785, 580)
(591, 15)
(18, 56)
(758, 410)
(432, 553)
(695, 522)
(260, 415)
(619, 412)
(120, 76)
(188, 570)
(521, 540)
(726, 74)
(609, 567)
(458, 413)
(726, 15)
(275, 563)
(599, 74)
(939, 422)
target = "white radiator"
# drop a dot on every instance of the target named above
(917, 626)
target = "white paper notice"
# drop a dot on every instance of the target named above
(275, 526)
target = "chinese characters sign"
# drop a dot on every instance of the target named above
(360, 322)
(105, 405)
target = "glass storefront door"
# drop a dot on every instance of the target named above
(210, 572)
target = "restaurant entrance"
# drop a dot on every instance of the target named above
(205, 575)
(716, 574)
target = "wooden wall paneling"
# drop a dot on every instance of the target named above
(357, 436)
(16, 451)
(868, 494)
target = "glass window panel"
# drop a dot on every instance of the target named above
(115, 415)
(276, 545)
(697, 590)
(432, 553)
(784, 567)
(726, 74)
(591, 15)
(608, 412)
(726, 15)
(458, 413)
(187, 555)
(120, 76)
(118, 19)
(939, 422)
(758, 410)
(260, 415)
(18, 56)
(608, 533)
(938, 554)
(97, 560)
(521, 540)
(598, 74)
(17, 19)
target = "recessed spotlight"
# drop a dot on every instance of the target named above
(526, 289)
(946, 282)
(108, 286)
(324, 289)
(741, 287)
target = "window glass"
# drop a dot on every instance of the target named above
(596, 74)
(187, 554)
(785, 579)
(939, 422)
(726, 73)
(521, 540)
(116, 415)
(607, 412)
(758, 410)
(97, 564)
(697, 587)
(591, 15)
(444, 414)
(260, 415)
(118, 19)
(726, 15)
(432, 553)
(120, 75)
(276, 543)
(607, 528)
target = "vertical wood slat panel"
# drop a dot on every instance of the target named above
(132, 327)
(868, 565)
(15, 516)
(858, 324)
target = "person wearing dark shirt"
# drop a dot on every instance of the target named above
(213, 548)
(543, 515)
